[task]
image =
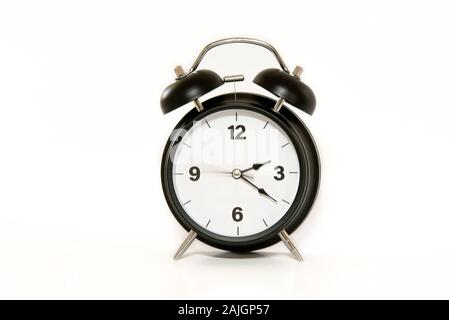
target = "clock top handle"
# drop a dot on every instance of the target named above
(195, 83)
(280, 82)
(221, 42)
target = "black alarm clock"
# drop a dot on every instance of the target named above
(240, 171)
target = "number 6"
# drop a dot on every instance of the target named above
(237, 214)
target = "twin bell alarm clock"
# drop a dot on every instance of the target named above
(240, 171)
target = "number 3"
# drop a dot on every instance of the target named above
(280, 173)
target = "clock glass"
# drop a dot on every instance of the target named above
(235, 172)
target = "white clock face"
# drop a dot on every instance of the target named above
(236, 172)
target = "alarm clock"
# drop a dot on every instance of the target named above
(240, 171)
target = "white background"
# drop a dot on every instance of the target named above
(82, 213)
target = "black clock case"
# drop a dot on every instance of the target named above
(309, 166)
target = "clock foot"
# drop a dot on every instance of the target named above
(289, 244)
(185, 244)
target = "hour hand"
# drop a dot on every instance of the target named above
(256, 166)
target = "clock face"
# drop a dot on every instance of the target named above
(235, 172)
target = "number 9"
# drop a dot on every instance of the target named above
(195, 173)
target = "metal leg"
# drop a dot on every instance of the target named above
(289, 244)
(185, 244)
(192, 235)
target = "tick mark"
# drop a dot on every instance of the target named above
(238, 230)
(286, 201)
(236, 116)
(186, 202)
(208, 223)
(285, 144)
(187, 145)
(266, 225)
(293, 172)
(179, 173)
(265, 125)
(207, 123)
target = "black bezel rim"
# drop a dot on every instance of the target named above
(309, 166)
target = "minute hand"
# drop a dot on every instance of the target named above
(260, 190)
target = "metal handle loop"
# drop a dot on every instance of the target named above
(256, 42)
